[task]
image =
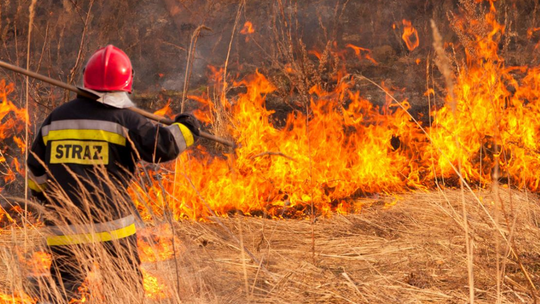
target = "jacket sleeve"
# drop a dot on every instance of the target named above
(157, 143)
(37, 173)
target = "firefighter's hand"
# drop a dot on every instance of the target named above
(190, 122)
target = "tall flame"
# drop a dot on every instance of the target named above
(12, 122)
(342, 146)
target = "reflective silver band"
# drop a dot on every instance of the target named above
(93, 228)
(178, 136)
(85, 124)
(42, 179)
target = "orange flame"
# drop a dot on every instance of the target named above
(156, 244)
(12, 123)
(39, 263)
(343, 146)
(166, 110)
(410, 32)
(339, 152)
(348, 148)
(17, 298)
(154, 288)
(315, 53)
(247, 29)
(358, 51)
(531, 31)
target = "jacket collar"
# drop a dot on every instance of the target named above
(118, 100)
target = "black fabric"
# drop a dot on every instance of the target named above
(70, 265)
(190, 122)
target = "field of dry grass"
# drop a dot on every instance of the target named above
(411, 252)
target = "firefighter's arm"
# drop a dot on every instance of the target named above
(37, 173)
(157, 143)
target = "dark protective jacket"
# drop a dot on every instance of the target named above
(87, 151)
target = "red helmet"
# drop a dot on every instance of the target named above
(109, 69)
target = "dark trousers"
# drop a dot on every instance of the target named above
(118, 262)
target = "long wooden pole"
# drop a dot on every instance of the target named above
(73, 88)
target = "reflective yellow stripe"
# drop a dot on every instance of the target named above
(75, 239)
(35, 186)
(86, 135)
(188, 136)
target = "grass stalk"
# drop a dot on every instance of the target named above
(27, 101)
(443, 64)
(243, 258)
(189, 64)
(236, 20)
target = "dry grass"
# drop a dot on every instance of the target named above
(413, 252)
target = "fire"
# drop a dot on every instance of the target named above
(154, 288)
(18, 298)
(493, 122)
(39, 263)
(156, 244)
(166, 110)
(340, 146)
(346, 147)
(410, 32)
(247, 29)
(12, 119)
(366, 53)
(531, 31)
(341, 152)
(315, 53)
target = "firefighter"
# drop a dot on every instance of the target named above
(80, 165)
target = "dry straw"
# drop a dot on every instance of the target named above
(412, 252)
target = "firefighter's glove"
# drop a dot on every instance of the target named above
(190, 122)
